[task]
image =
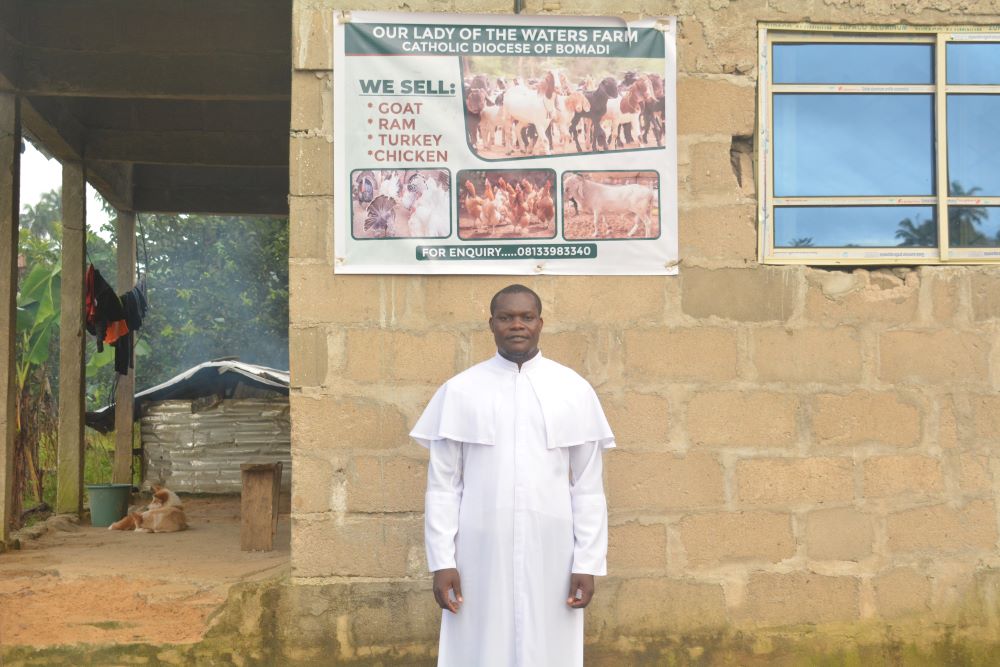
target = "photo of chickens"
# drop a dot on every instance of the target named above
(400, 203)
(611, 205)
(506, 204)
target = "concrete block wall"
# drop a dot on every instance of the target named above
(796, 445)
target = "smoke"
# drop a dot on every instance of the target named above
(217, 287)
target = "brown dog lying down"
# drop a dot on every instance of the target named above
(165, 514)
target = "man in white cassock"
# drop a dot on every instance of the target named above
(516, 522)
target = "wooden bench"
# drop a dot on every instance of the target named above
(259, 505)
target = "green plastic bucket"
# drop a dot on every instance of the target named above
(108, 503)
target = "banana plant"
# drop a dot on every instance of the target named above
(37, 324)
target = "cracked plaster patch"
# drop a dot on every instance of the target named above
(877, 285)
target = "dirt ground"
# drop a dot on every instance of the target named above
(467, 230)
(499, 152)
(612, 226)
(79, 584)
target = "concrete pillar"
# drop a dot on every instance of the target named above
(10, 165)
(69, 488)
(125, 394)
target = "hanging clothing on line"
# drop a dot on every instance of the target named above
(115, 330)
(134, 303)
(135, 306)
(104, 309)
(113, 319)
(123, 354)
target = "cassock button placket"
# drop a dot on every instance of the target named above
(520, 594)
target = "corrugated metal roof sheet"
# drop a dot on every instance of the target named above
(226, 378)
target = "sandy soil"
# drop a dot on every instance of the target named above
(79, 584)
(581, 226)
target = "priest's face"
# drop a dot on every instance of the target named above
(516, 326)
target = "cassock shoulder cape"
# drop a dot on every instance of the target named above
(467, 407)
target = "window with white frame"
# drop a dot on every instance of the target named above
(879, 147)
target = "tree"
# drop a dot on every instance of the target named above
(964, 220)
(43, 219)
(962, 224)
(37, 347)
(217, 286)
(37, 326)
(917, 234)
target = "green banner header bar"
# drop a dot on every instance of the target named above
(513, 251)
(401, 39)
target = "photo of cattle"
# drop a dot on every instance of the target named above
(611, 205)
(522, 107)
(506, 204)
(400, 203)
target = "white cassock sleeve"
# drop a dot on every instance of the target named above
(590, 510)
(441, 503)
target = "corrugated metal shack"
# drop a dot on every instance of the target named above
(198, 427)
(199, 449)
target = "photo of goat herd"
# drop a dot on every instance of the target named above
(400, 203)
(520, 107)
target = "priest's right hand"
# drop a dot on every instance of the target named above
(446, 581)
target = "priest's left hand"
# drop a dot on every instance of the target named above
(581, 585)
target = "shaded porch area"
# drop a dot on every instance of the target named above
(166, 108)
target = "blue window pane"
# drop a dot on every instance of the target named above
(972, 64)
(974, 145)
(854, 63)
(854, 226)
(853, 145)
(974, 226)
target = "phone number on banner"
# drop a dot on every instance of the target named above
(524, 251)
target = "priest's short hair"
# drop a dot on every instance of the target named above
(515, 289)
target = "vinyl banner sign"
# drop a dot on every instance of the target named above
(504, 144)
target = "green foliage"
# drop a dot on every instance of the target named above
(37, 342)
(37, 318)
(43, 219)
(99, 458)
(217, 286)
(97, 361)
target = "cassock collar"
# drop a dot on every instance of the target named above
(508, 365)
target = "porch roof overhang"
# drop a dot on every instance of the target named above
(173, 106)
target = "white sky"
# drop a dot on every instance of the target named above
(39, 175)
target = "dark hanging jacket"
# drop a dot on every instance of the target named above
(102, 304)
